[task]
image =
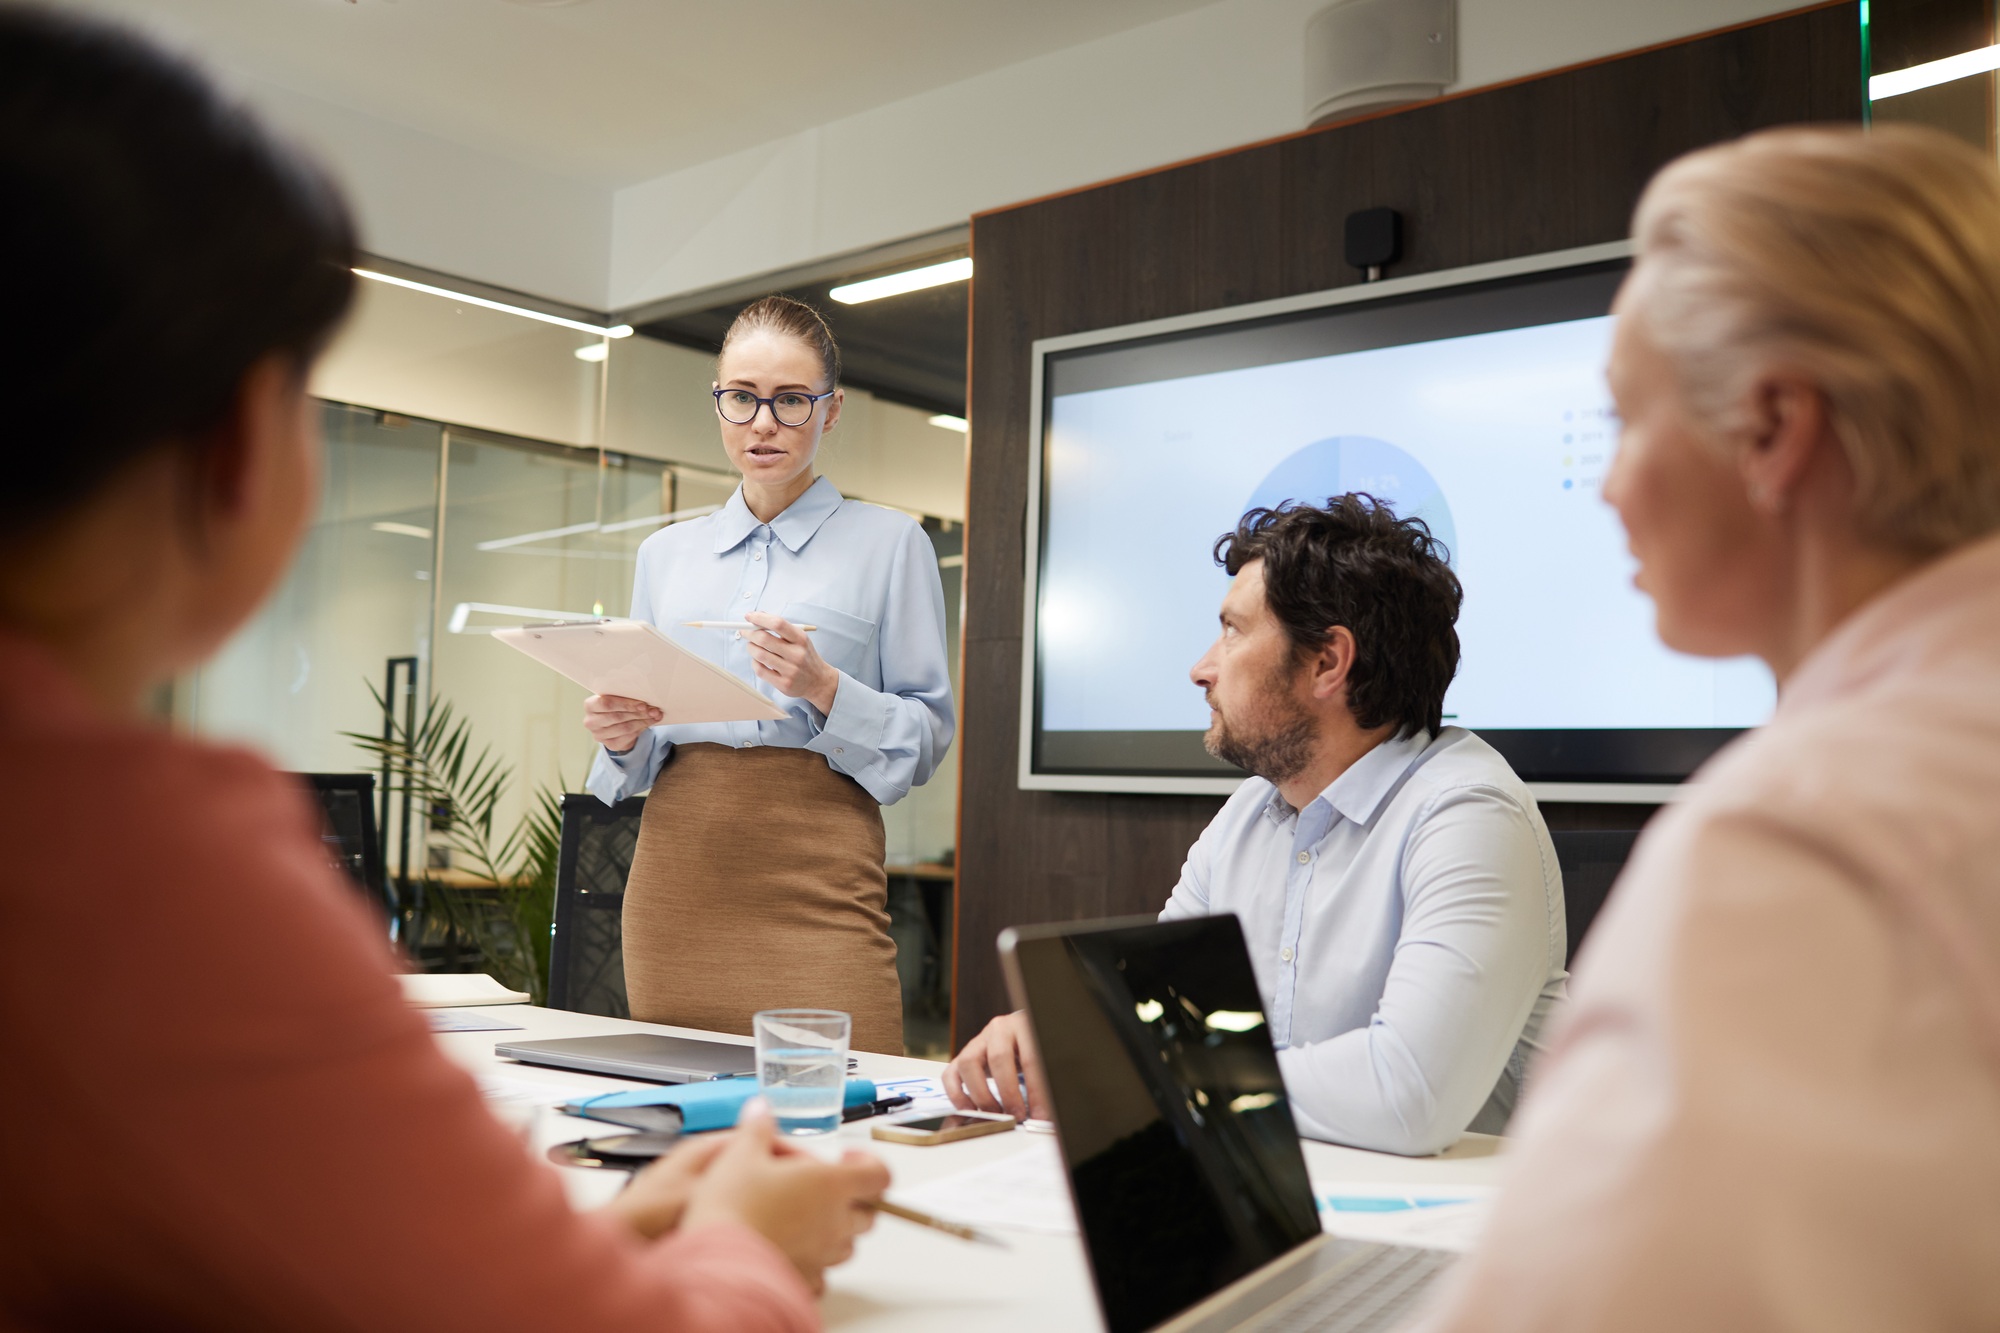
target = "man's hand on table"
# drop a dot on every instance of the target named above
(1004, 1053)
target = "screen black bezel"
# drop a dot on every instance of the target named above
(1557, 755)
(1262, 1172)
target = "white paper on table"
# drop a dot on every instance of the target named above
(1434, 1216)
(1027, 1191)
(522, 1105)
(501, 1091)
(926, 1095)
(481, 1019)
(453, 990)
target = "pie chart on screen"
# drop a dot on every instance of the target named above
(1347, 463)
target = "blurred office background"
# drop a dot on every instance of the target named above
(480, 475)
(485, 469)
(655, 166)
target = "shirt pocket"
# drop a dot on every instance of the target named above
(846, 641)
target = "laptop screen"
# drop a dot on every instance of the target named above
(1179, 1143)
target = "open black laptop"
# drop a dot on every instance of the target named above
(1178, 1140)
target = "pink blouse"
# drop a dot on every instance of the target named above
(218, 1112)
(1775, 1100)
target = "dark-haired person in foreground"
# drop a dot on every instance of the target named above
(219, 1112)
(1394, 878)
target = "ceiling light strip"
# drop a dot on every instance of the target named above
(577, 529)
(661, 520)
(595, 330)
(1963, 66)
(910, 280)
(500, 543)
(461, 613)
(945, 421)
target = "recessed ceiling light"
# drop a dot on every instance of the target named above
(944, 421)
(910, 280)
(593, 352)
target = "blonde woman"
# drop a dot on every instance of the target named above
(758, 881)
(1774, 1101)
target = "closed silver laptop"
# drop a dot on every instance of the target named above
(652, 1056)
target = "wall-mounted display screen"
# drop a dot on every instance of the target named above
(1474, 401)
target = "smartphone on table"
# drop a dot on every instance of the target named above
(925, 1130)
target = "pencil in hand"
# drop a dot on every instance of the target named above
(741, 626)
(924, 1219)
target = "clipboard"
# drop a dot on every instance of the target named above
(633, 659)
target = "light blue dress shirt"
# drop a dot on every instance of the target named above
(866, 576)
(1408, 936)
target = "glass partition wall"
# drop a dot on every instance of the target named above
(358, 595)
(1933, 62)
(428, 538)
(533, 531)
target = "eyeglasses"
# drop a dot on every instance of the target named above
(739, 406)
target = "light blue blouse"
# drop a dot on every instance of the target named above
(866, 576)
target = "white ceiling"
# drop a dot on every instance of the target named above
(617, 91)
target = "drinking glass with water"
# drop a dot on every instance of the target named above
(802, 1067)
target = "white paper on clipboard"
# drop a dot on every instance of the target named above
(632, 658)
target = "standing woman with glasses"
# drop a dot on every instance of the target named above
(758, 882)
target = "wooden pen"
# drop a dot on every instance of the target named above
(739, 625)
(924, 1219)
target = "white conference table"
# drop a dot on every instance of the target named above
(906, 1277)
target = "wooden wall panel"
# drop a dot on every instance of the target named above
(1540, 165)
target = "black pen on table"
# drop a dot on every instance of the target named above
(867, 1109)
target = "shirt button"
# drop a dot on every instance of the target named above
(1285, 954)
(758, 556)
(839, 749)
(1304, 857)
(746, 596)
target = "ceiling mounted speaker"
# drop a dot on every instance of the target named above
(1364, 55)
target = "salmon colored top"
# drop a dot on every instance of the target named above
(218, 1112)
(1775, 1099)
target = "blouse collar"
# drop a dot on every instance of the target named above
(794, 527)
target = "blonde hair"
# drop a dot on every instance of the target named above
(792, 319)
(1868, 264)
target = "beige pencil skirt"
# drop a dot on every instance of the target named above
(758, 884)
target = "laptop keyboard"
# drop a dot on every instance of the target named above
(1375, 1289)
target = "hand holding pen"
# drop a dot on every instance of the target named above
(783, 656)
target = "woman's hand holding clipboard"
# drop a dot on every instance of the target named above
(616, 722)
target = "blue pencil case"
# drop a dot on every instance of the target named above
(711, 1105)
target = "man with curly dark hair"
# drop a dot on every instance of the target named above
(1394, 878)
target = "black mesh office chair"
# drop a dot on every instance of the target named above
(352, 842)
(587, 949)
(1590, 861)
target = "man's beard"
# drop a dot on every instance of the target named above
(1276, 753)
